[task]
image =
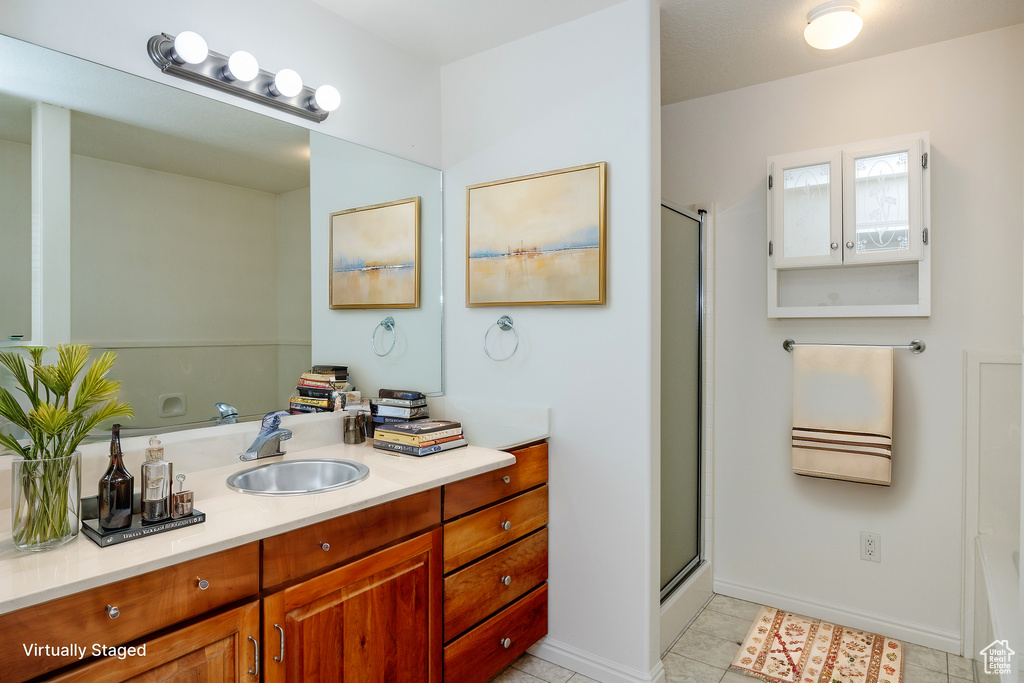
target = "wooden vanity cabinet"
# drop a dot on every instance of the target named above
(375, 620)
(222, 647)
(496, 566)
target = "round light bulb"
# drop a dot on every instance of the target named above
(833, 24)
(189, 48)
(327, 98)
(287, 83)
(242, 66)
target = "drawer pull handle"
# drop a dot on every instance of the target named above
(507, 479)
(203, 583)
(505, 643)
(325, 546)
(507, 526)
(256, 657)
(507, 580)
(280, 657)
(113, 612)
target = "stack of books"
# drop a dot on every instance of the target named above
(418, 438)
(324, 388)
(399, 405)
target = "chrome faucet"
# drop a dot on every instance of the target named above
(268, 441)
(228, 414)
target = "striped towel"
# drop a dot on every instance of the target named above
(842, 413)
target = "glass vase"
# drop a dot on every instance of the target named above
(46, 501)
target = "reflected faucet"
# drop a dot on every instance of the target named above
(228, 414)
(268, 441)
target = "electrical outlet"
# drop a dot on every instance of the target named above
(870, 547)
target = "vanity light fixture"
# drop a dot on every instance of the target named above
(187, 56)
(833, 24)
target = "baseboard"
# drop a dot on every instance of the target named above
(843, 615)
(592, 665)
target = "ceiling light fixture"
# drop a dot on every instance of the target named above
(833, 24)
(187, 56)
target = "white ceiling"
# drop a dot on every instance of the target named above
(707, 46)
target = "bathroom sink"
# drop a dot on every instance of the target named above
(298, 477)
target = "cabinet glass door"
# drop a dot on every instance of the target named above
(806, 199)
(882, 221)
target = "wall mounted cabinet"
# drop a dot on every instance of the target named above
(865, 205)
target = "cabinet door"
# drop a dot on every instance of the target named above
(375, 620)
(883, 202)
(218, 648)
(806, 208)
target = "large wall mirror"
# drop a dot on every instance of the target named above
(197, 244)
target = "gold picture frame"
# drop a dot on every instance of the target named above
(375, 256)
(538, 239)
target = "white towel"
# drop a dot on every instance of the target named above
(842, 412)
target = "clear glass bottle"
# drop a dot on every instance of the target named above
(157, 474)
(116, 489)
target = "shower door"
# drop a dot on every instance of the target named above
(681, 308)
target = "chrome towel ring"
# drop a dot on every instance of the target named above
(505, 325)
(388, 324)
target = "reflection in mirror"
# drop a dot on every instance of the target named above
(190, 245)
(15, 218)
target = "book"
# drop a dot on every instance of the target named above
(419, 452)
(386, 434)
(384, 419)
(400, 393)
(94, 532)
(416, 427)
(316, 392)
(318, 402)
(402, 402)
(295, 408)
(320, 377)
(339, 372)
(395, 411)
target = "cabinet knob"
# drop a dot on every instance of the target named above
(507, 526)
(325, 546)
(849, 245)
(505, 643)
(507, 479)
(835, 245)
(113, 612)
(507, 580)
(203, 583)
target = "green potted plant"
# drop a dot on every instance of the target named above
(62, 410)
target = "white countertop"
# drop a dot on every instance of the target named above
(232, 519)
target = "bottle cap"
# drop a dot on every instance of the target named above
(155, 450)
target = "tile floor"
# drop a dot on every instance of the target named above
(703, 652)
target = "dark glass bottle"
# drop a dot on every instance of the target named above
(117, 488)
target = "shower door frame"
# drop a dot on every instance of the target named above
(686, 572)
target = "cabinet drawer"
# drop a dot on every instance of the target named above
(531, 469)
(145, 604)
(473, 593)
(310, 549)
(217, 648)
(496, 643)
(477, 534)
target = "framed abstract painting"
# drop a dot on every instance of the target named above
(375, 256)
(537, 239)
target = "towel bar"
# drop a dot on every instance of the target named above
(917, 346)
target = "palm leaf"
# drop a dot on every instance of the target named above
(94, 386)
(12, 410)
(11, 444)
(16, 364)
(50, 419)
(71, 360)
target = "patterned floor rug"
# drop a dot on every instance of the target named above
(788, 648)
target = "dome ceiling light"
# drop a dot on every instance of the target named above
(833, 24)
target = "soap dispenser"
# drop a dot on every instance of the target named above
(156, 484)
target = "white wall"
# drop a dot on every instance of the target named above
(390, 100)
(576, 94)
(790, 541)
